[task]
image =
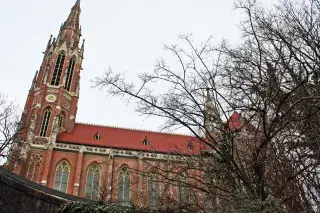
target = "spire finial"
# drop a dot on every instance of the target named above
(74, 16)
(77, 5)
(49, 42)
(208, 94)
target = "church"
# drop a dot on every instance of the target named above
(79, 158)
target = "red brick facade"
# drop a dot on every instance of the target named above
(53, 135)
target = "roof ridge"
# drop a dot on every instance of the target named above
(134, 129)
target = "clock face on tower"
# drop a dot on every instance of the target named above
(51, 98)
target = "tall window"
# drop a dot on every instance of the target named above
(45, 122)
(124, 187)
(183, 190)
(62, 176)
(153, 191)
(58, 70)
(61, 120)
(92, 185)
(34, 167)
(208, 205)
(67, 85)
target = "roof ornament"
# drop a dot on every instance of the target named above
(190, 145)
(97, 136)
(34, 81)
(48, 44)
(145, 141)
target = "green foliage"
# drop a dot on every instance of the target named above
(81, 207)
(242, 205)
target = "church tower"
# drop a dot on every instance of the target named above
(51, 105)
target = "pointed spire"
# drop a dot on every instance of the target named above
(211, 110)
(208, 96)
(77, 5)
(74, 16)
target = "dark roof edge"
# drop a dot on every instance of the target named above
(27, 183)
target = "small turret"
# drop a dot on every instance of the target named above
(211, 112)
(82, 48)
(34, 81)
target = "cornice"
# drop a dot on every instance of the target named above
(112, 152)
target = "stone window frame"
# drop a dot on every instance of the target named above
(64, 167)
(45, 122)
(183, 189)
(58, 68)
(125, 179)
(69, 73)
(34, 167)
(153, 189)
(94, 170)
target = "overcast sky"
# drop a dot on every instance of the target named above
(126, 35)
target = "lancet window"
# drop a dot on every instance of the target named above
(61, 120)
(92, 185)
(62, 176)
(34, 167)
(70, 69)
(153, 191)
(45, 123)
(58, 70)
(124, 187)
(183, 188)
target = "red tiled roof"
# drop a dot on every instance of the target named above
(234, 122)
(121, 138)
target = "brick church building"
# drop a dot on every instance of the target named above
(79, 158)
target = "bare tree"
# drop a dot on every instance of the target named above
(265, 157)
(9, 127)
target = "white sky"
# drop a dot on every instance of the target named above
(126, 35)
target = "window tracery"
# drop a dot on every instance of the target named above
(62, 176)
(34, 167)
(58, 70)
(153, 191)
(183, 188)
(124, 187)
(45, 123)
(61, 120)
(68, 82)
(92, 184)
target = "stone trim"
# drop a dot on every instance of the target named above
(111, 152)
(117, 152)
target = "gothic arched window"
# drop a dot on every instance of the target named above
(34, 167)
(153, 191)
(124, 187)
(183, 189)
(45, 123)
(68, 82)
(58, 70)
(92, 185)
(61, 120)
(208, 205)
(62, 176)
